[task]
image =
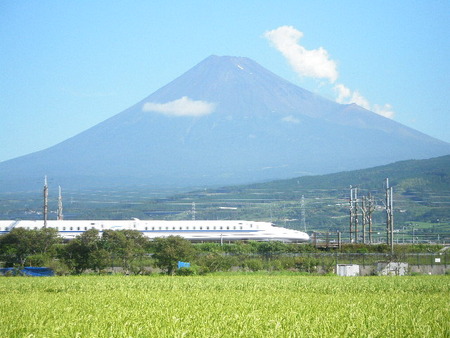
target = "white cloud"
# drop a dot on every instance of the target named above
(317, 64)
(181, 107)
(345, 96)
(343, 93)
(385, 110)
(290, 119)
(311, 63)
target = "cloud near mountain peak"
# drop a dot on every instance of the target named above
(183, 106)
(317, 64)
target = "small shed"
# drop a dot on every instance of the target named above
(347, 270)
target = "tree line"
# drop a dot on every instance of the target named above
(134, 253)
(92, 251)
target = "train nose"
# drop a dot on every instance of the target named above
(302, 235)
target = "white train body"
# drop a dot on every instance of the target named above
(192, 230)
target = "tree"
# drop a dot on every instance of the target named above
(19, 244)
(129, 246)
(169, 250)
(86, 252)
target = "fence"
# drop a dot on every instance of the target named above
(440, 259)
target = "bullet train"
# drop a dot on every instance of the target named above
(192, 230)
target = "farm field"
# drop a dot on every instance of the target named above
(225, 306)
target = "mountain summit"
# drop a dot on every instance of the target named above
(227, 120)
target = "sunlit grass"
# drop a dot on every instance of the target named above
(225, 306)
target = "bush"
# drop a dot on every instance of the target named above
(306, 264)
(193, 270)
(253, 264)
(216, 262)
(58, 267)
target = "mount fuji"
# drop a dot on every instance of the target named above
(226, 121)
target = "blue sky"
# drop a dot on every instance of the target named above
(68, 65)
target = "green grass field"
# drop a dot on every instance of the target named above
(225, 306)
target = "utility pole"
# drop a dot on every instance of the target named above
(355, 204)
(389, 216)
(45, 202)
(391, 208)
(370, 210)
(351, 214)
(60, 216)
(302, 210)
(364, 217)
(193, 211)
(339, 240)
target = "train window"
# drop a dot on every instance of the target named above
(214, 228)
(201, 228)
(241, 227)
(181, 228)
(234, 227)
(153, 228)
(167, 228)
(92, 223)
(85, 228)
(193, 228)
(159, 228)
(64, 228)
(146, 228)
(207, 228)
(228, 228)
(221, 228)
(71, 228)
(251, 225)
(35, 228)
(78, 228)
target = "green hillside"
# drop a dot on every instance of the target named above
(421, 199)
(421, 202)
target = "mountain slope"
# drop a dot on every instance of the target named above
(421, 194)
(261, 127)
